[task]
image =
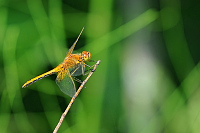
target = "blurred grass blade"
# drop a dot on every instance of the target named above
(123, 31)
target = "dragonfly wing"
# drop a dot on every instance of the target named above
(72, 47)
(66, 83)
(78, 70)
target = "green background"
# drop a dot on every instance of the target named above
(148, 80)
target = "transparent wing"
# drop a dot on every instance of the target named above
(66, 83)
(72, 47)
(78, 70)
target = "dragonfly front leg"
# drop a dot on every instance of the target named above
(88, 71)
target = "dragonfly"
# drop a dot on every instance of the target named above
(73, 65)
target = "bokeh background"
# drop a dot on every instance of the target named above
(148, 80)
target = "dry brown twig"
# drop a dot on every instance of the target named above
(74, 97)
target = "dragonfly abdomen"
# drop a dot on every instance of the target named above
(39, 77)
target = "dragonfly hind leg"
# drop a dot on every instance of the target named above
(77, 80)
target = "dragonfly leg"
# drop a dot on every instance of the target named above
(88, 71)
(93, 61)
(77, 80)
(87, 65)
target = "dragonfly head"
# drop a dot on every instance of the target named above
(86, 56)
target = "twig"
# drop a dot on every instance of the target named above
(74, 97)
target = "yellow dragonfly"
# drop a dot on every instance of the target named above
(73, 65)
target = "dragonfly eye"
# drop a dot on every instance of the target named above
(86, 56)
